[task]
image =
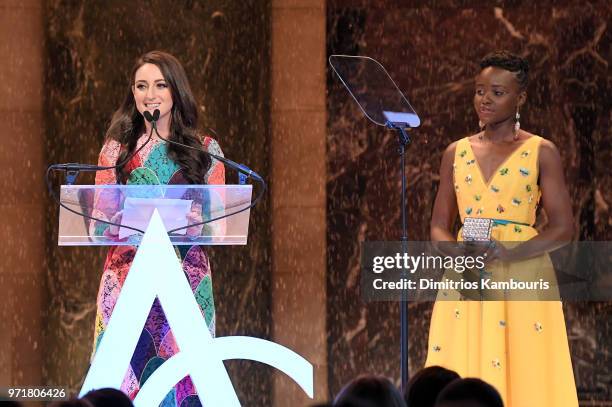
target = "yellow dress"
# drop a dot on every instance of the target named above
(520, 347)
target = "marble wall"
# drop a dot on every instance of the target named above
(224, 47)
(433, 52)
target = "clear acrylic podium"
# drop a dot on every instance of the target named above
(132, 206)
(141, 214)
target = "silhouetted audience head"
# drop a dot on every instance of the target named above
(469, 393)
(74, 402)
(369, 391)
(424, 387)
(108, 397)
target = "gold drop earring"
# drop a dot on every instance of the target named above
(517, 124)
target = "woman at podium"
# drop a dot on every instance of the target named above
(157, 82)
(502, 173)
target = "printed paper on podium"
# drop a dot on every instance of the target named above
(137, 213)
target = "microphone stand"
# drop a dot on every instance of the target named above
(403, 140)
(243, 171)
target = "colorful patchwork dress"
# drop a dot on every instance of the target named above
(156, 344)
(520, 347)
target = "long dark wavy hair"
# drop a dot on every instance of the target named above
(127, 124)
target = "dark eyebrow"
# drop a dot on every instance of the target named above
(494, 86)
(155, 81)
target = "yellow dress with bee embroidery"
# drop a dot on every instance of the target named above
(520, 347)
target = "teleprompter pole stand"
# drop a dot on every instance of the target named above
(403, 140)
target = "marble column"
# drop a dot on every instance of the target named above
(298, 116)
(21, 206)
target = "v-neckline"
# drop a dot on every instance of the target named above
(487, 183)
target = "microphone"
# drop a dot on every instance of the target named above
(152, 118)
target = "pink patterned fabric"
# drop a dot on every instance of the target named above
(156, 344)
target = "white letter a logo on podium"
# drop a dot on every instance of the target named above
(156, 271)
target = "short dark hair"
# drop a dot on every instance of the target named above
(108, 397)
(470, 390)
(424, 387)
(369, 391)
(510, 62)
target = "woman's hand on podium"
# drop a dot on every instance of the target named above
(195, 216)
(112, 229)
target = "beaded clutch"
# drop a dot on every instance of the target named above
(477, 229)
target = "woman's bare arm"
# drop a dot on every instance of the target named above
(445, 206)
(556, 202)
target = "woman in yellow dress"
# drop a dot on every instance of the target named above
(520, 347)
